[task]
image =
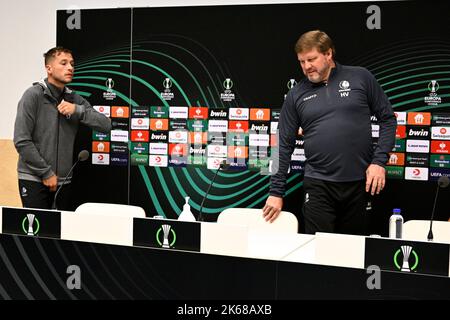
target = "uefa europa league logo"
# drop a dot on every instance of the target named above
(109, 84)
(30, 230)
(291, 83)
(167, 83)
(405, 266)
(433, 86)
(166, 229)
(169, 236)
(406, 250)
(228, 84)
(30, 218)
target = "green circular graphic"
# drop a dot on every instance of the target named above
(170, 244)
(415, 256)
(37, 228)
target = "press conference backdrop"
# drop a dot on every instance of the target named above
(189, 87)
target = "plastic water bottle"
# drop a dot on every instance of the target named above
(186, 214)
(396, 224)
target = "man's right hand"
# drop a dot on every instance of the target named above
(272, 209)
(51, 183)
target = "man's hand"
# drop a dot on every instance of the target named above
(51, 183)
(272, 209)
(375, 179)
(66, 108)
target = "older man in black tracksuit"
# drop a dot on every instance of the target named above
(333, 106)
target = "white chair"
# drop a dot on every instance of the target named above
(111, 209)
(418, 230)
(253, 219)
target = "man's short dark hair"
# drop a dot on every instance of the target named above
(315, 39)
(53, 52)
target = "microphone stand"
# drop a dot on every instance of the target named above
(430, 233)
(443, 182)
(82, 156)
(60, 187)
(200, 213)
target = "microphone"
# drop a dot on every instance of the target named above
(82, 156)
(223, 165)
(443, 182)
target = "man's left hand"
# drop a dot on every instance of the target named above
(66, 108)
(375, 178)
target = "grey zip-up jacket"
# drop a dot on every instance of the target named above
(44, 138)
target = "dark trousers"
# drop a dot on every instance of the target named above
(337, 207)
(36, 195)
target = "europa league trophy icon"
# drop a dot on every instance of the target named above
(228, 84)
(167, 83)
(30, 217)
(406, 250)
(110, 83)
(433, 86)
(166, 230)
(291, 83)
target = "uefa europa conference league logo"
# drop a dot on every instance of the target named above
(405, 266)
(168, 232)
(31, 219)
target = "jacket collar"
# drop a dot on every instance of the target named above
(333, 73)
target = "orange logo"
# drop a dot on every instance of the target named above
(396, 159)
(100, 146)
(198, 137)
(159, 124)
(237, 152)
(260, 114)
(119, 112)
(419, 118)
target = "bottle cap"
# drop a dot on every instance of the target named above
(397, 210)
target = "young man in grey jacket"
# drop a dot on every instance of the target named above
(47, 120)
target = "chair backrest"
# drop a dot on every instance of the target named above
(253, 218)
(418, 230)
(111, 209)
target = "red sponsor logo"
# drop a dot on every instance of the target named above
(177, 149)
(139, 135)
(400, 132)
(442, 147)
(238, 126)
(198, 113)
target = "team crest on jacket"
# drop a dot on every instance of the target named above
(345, 89)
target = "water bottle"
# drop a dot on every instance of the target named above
(396, 224)
(186, 214)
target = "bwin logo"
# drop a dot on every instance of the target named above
(418, 133)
